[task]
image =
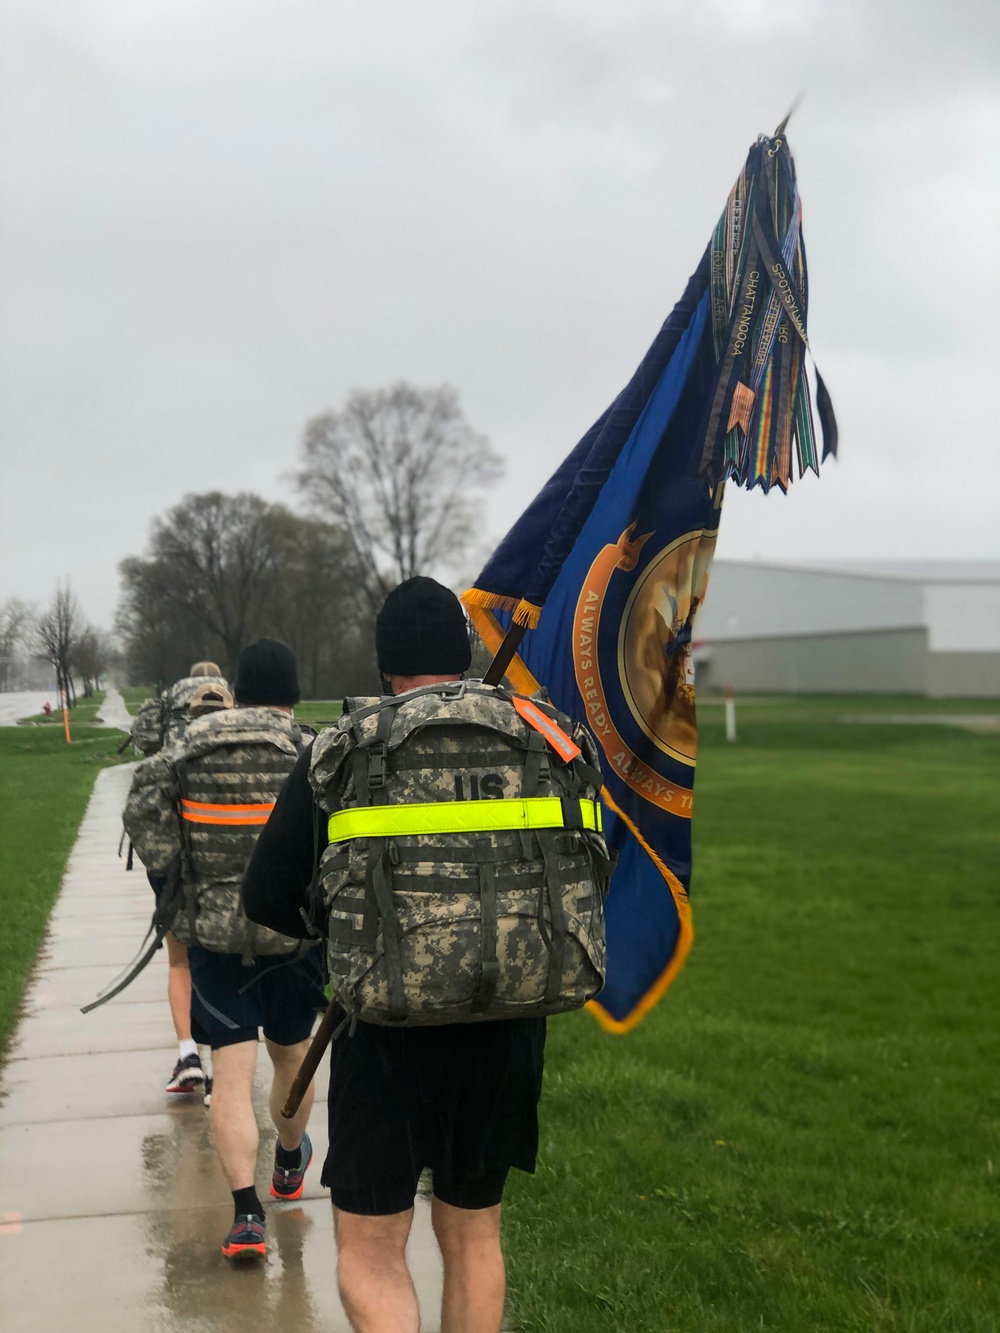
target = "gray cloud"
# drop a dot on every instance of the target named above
(217, 216)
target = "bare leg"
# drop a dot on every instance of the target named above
(179, 987)
(287, 1061)
(474, 1277)
(234, 1125)
(375, 1284)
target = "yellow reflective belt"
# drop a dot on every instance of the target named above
(427, 817)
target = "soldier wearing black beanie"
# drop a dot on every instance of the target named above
(421, 631)
(267, 675)
(461, 1098)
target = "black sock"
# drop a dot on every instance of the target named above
(289, 1159)
(246, 1201)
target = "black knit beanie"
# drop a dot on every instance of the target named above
(267, 673)
(421, 631)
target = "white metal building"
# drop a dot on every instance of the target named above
(899, 627)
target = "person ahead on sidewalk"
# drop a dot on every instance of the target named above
(194, 813)
(159, 722)
(458, 1097)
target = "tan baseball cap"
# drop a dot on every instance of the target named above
(205, 669)
(210, 699)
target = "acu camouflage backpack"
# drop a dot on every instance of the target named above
(194, 813)
(163, 720)
(466, 869)
(234, 766)
(148, 726)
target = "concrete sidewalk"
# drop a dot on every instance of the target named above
(112, 712)
(112, 1203)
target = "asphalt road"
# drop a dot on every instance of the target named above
(22, 703)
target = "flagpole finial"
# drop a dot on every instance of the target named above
(796, 102)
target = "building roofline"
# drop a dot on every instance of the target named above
(842, 571)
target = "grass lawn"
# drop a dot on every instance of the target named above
(45, 785)
(319, 713)
(805, 1135)
(134, 695)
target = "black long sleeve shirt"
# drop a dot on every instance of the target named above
(276, 882)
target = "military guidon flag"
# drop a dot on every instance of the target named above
(608, 565)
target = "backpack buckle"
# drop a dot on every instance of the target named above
(377, 764)
(454, 689)
(571, 812)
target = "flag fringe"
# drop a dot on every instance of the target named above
(525, 613)
(493, 601)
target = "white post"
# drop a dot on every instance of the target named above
(730, 713)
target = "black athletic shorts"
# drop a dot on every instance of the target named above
(461, 1099)
(383, 1197)
(230, 1002)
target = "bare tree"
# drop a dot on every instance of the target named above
(212, 562)
(223, 570)
(320, 608)
(400, 470)
(57, 633)
(93, 654)
(16, 627)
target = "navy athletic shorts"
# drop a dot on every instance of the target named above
(231, 1002)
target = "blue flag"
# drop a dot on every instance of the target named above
(608, 565)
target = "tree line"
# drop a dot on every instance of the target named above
(59, 635)
(391, 485)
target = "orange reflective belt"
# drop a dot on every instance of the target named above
(201, 812)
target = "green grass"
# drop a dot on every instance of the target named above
(84, 714)
(799, 706)
(805, 1135)
(44, 788)
(319, 713)
(134, 696)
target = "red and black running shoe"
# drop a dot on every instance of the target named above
(246, 1238)
(289, 1184)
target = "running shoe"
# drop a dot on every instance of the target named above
(290, 1184)
(246, 1238)
(207, 1099)
(188, 1075)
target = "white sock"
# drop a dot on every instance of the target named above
(206, 1064)
(186, 1048)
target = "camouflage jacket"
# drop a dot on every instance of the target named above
(188, 819)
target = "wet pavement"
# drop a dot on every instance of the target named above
(112, 1203)
(23, 703)
(112, 712)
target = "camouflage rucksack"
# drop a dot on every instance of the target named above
(233, 766)
(163, 720)
(177, 701)
(148, 726)
(194, 813)
(466, 870)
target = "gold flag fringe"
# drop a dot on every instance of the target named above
(525, 613)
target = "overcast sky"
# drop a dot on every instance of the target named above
(219, 216)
